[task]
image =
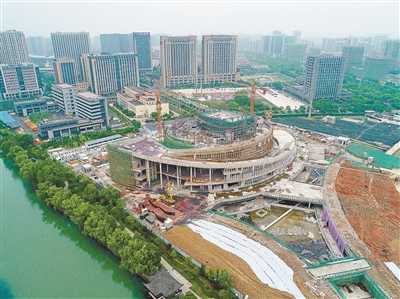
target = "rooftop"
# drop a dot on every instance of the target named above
(162, 284)
(89, 96)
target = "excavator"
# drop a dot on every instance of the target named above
(165, 198)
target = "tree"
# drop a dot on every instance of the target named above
(224, 279)
(71, 204)
(109, 196)
(117, 240)
(277, 85)
(154, 116)
(226, 294)
(174, 254)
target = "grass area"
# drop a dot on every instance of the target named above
(366, 132)
(37, 117)
(113, 112)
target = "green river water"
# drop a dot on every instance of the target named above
(44, 255)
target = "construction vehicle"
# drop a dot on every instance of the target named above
(165, 197)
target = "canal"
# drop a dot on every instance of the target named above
(44, 255)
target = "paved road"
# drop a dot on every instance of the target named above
(175, 274)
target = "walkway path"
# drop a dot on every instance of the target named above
(175, 274)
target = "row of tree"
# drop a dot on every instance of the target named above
(100, 214)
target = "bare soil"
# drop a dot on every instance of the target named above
(371, 203)
(245, 280)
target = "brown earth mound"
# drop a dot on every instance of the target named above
(371, 203)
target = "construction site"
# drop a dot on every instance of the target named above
(216, 151)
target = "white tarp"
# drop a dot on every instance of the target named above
(268, 267)
(393, 267)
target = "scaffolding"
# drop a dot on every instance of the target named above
(121, 166)
(355, 278)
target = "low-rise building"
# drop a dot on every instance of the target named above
(63, 95)
(142, 103)
(58, 128)
(25, 108)
(91, 106)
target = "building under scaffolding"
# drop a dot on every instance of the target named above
(197, 155)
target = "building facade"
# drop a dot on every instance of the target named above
(92, 107)
(25, 108)
(219, 54)
(63, 96)
(142, 47)
(109, 73)
(65, 71)
(295, 52)
(39, 45)
(353, 56)
(391, 49)
(324, 76)
(58, 128)
(13, 48)
(142, 104)
(273, 45)
(178, 60)
(116, 43)
(71, 45)
(376, 68)
(20, 82)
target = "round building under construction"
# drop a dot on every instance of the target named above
(215, 151)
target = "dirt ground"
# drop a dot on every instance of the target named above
(245, 280)
(371, 203)
(365, 208)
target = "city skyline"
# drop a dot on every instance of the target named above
(314, 19)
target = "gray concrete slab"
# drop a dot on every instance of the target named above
(340, 268)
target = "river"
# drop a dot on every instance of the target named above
(44, 254)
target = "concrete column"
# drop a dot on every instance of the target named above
(209, 174)
(191, 174)
(178, 168)
(161, 175)
(148, 172)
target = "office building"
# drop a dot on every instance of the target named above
(142, 47)
(391, 49)
(19, 82)
(219, 53)
(43, 104)
(71, 45)
(178, 60)
(65, 71)
(116, 43)
(109, 73)
(353, 56)
(63, 96)
(376, 68)
(323, 77)
(91, 106)
(13, 49)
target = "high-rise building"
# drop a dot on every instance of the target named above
(295, 52)
(91, 106)
(273, 44)
(323, 77)
(244, 43)
(19, 82)
(178, 60)
(142, 47)
(219, 54)
(71, 45)
(391, 49)
(297, 33)
(13, 49)
(353, 56)
(109, 73)
(376, 67)
(39, 45)
(65, 71)
(116, 43)
(63, 96)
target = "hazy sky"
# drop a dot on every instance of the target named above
(313, 18)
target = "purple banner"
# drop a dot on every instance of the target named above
(328, 222)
